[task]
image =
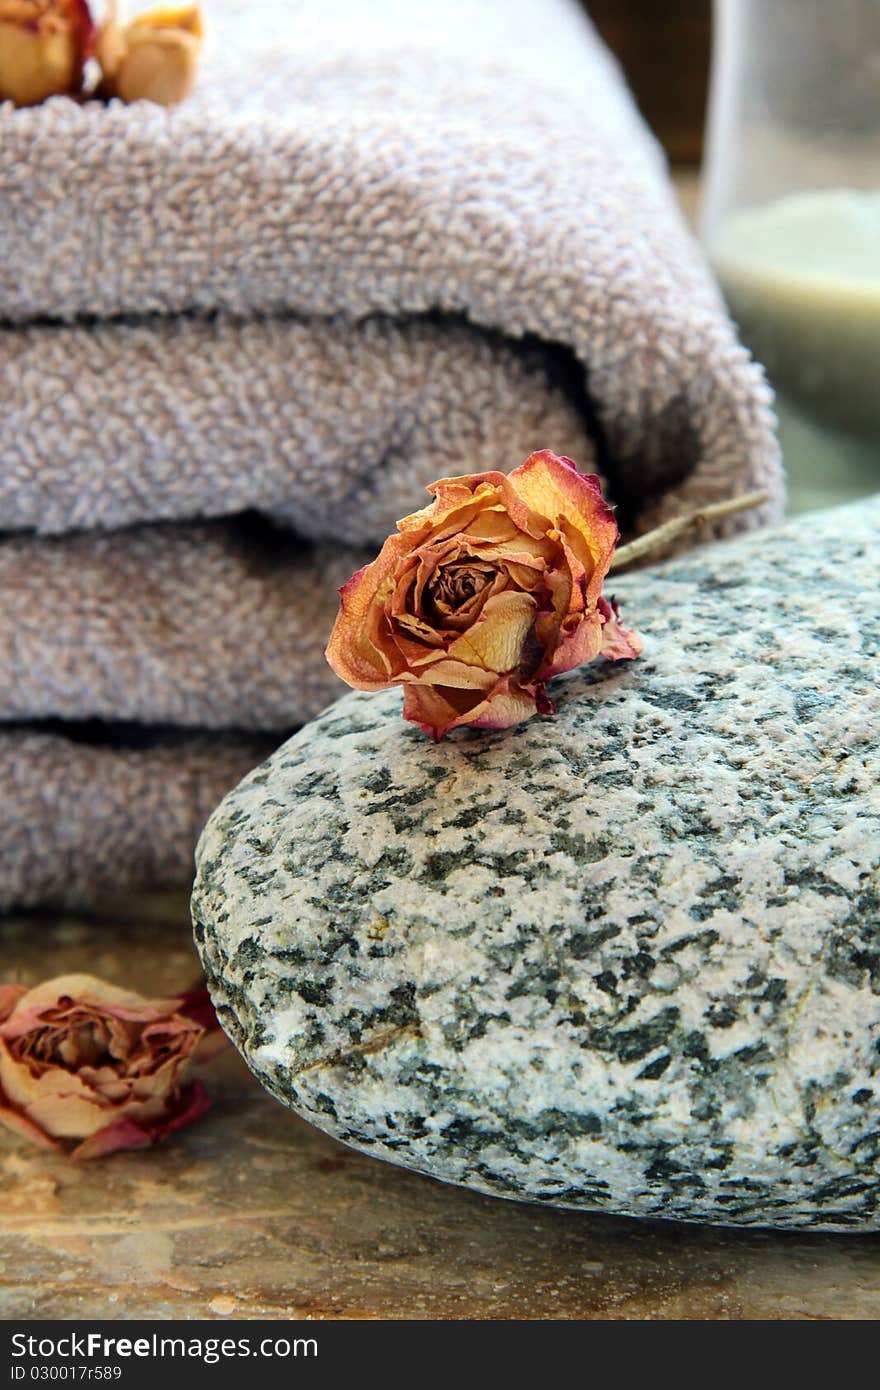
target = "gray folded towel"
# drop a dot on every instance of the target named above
(209, 626)
(380, 243)
(83, 819)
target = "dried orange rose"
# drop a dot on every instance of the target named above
(154, 57)
(483, 596)
(43, 48)
(81, 1059)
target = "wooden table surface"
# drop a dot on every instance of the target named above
(253, 1213)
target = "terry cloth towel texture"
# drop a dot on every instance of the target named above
(380, 243)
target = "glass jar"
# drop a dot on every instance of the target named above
(791, 221)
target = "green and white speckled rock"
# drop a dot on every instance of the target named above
(625, 959)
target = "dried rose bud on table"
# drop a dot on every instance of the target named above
(44, 45)
(82, 1060)
(483, 596)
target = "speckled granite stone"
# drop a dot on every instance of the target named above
(624, 959)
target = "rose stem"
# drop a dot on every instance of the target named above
(661, 536)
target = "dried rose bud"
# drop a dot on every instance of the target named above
(154, 57)
(484, 596)
(43, 47)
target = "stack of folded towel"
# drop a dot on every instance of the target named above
(379, 244)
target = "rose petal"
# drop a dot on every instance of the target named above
(64, 1104)
(357, 650)
(106, 1083)
(66, 1114)
(42, 52)
(25, 1128)
(495, 642)
(197, 1006)
(121, 1133)
(89, 993)
(154, 57)
(175, 1034)
(620, 643)
(409, 597)
(457, 503)
(124, 1133)
(493, 528)
(524, 575)
(456, 676)
(417, 654)
(460, 501)
(578, 644)
(551, 485)
(22, 1084)
(185, 17)
(436, 711)
(535, 551)
(439, 709)
(508, 706)
(9, 997)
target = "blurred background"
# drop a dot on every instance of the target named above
(664, 49)
(769, 112)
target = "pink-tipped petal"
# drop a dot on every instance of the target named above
(9, 997)
(438, 710)
(617, 643)
(620, 643)
(86, 992)
(577, 645)
(124, 1133)
(358, 646)
(508, 706)
(550, 484)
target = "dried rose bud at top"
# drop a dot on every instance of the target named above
(484, 596)
(43, 47)
(154, 57)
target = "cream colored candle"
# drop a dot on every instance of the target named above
(802, 277)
